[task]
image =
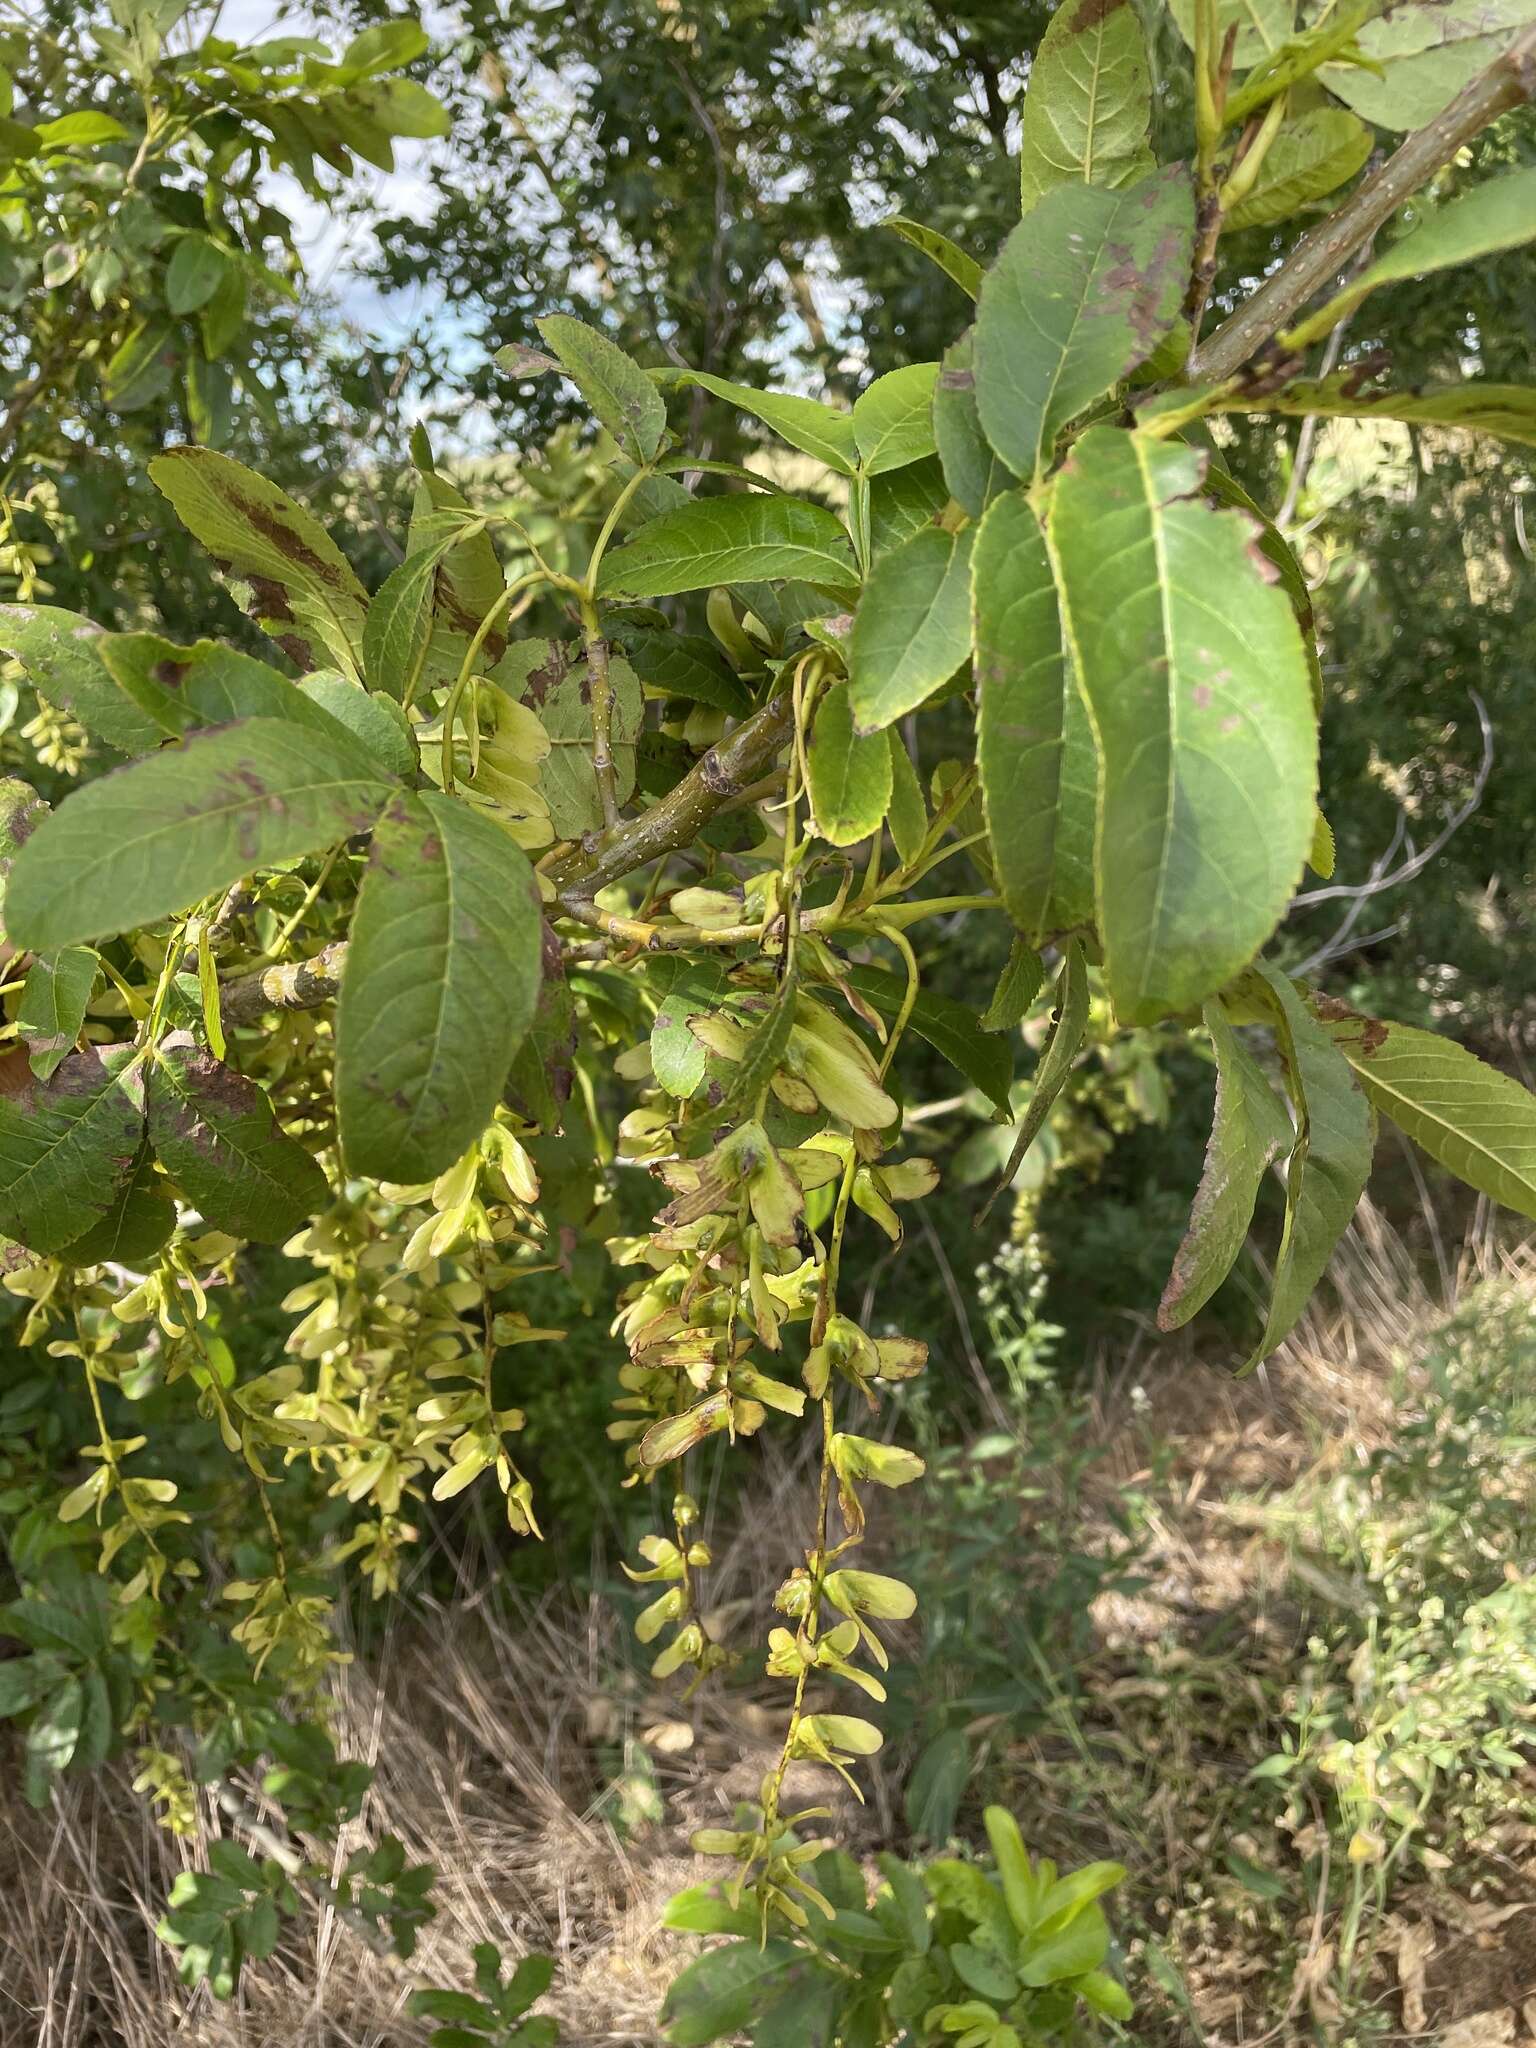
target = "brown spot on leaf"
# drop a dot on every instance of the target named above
(170, 673)
(1090, 14)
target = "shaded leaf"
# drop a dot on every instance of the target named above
(1330, 1155)
(440, 984)
(139, 1221)
(1034, 744)
(720, 1990)
(52, 1008)
(567, 777)
(961, 269)
(66, 1147)
(1021, 980)
(160, 835)
(1086, 287)
(216, 1135)
(973, 471)
(1197, 682)
(1069, 1023)
(949, 1027)
(1249, 1132)
(683, 665)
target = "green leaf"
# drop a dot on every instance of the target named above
(158, 836)
(81, 130)
(1080, 1946)
(912, 630)
(215, 1134)
(194, 273)
(375, 722)
(1505, 410)
(850, 774)
(139, 369)
(22, 810)
(399, 624)
(893, 419)
(65, 1149)
(683, 665)
(974, 472)
(1500, 214)
(1248, 1133)
(1086, 287)
(401, 107)
(184, 688)
(1069, 1023)
(52, 1737)
(1197, 682)
(25, 1680)
(1034, 744)
(1088, 110)
(140, 1220)
(985, 1060)
(52, 1008)
(908, 817)
(902, 502)
(61, 653)
(702, 1909)
(302, 588)
(720, 1991)
(1014, 1871)
(1480, 1124)
(1262, 25)
(440, 984)
(937, 1786)
(1330, 1155)
(566, 775)
(1421, 56)
(619, 393)
(1309, 158)
(1021, 980)
(210, 393)
(1221, 486)
(738, 539)
(961, 269)
(815, 429)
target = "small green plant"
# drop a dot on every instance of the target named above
(944, 1952)
(499, 2016)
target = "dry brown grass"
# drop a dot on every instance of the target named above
(497, 1729)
